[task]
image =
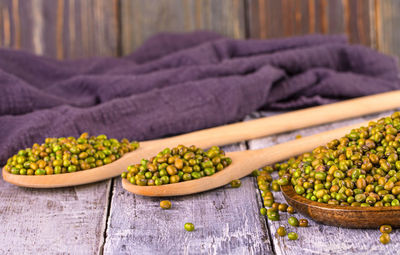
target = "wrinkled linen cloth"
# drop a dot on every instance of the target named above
(178, 83)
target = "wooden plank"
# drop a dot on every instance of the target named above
(317, 238)
(64, 29)
(141, 18)
(358, 21)
(287, 9)
(53, 221)
(335, 17)
(269, 18)
(7, 28)
(387, 22)
(265, 19)
(227, 221)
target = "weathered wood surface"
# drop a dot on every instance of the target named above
(317, 238)
(387, 26)
(270, 18)
(63, 29)
(68, 29)
(227, 221)
(104, 218)
(53, 221)
(142, 18)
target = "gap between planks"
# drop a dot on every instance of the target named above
(110, 192)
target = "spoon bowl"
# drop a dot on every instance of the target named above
(195, 186)
(342, 216)
(81, 177)
(221, 135)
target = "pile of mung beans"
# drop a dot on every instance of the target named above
(361, 169)
(180, 163)
(68, 154)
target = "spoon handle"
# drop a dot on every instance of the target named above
(248, 130)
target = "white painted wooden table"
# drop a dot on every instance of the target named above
(102, 218)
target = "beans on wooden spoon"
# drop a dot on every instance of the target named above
(243, 163)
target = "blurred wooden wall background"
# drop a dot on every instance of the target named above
(68, 29)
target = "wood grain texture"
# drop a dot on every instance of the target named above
(142, 18)
(358, 23)
(53, 221)
(227, 221)
(67, 29)
(269, 18)
(317, 238)
(387, 26)
(63, 29)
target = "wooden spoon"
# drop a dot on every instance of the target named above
(222, 135)
(343, 216)
(243, 163)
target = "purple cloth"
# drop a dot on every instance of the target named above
(179, 83)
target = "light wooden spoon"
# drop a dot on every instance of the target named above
(243, 163)
(222, 135)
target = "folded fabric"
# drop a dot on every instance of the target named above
(178, 83)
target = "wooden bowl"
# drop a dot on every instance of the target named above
(342, 216)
